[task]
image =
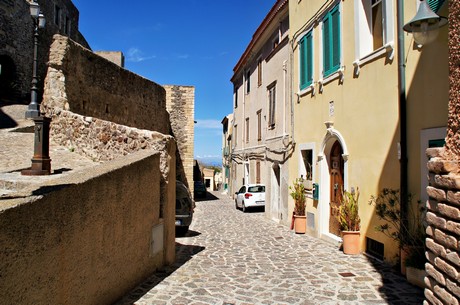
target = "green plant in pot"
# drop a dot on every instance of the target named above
(297, 192)
(350, 222)
(410, 236)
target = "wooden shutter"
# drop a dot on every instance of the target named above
(435, 4)
(306, 61)
(331, 41)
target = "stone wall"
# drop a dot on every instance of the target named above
(180, 103)
(82, 82)
(443, 216)
(88, 237)
(443, 232)
(16, 39)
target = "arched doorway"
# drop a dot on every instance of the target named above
(336, 173)
(8, 81)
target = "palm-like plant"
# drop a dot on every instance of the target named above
(298, 194)
(349, 212)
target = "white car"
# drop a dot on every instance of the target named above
(250, 196)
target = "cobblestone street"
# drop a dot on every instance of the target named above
(231, 257)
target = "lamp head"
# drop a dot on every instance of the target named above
(425, 25)
(41, 21)
(34, 9)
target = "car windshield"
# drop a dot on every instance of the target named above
(256, 189)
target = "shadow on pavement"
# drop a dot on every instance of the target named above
(183, 254)
(189, 233)
(6, 121)
(394, 283)
(209, 197)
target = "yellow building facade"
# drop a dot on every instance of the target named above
(345, 91)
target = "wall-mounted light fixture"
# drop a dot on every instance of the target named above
(425, 25)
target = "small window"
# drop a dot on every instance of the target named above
(258, 172)
(377, 23)
(259, 72)
(307, 158)
(235, 135)
(271, 105)
(247, 130)
(259, 125)
(67, 26)
(57, 16)
(248, 82)
(235, 96)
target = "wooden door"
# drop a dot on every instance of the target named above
(336, 187)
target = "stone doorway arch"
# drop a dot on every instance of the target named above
(8, 78)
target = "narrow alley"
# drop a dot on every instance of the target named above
(231, 257)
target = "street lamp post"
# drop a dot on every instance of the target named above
(41, 162)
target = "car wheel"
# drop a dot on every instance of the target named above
(244, 208)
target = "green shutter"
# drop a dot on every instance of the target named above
(306, 61)
(435, 4)
(309, 55)
(331, 41)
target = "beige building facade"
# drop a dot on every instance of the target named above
(346, 108)
(261, 143)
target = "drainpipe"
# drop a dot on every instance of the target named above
(284, 96)
(403, 188)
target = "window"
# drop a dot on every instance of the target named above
(235, 135)
(377, 23)
(306, 60)
(259, 125)
(248, 82)
(258, 173)
(331, 41)
(57, 16)
(235, 96)
(435, 5)
(259, 72)
(67, 26)
(374, 26)
(247, 130)
(271, 105)
(307, 158)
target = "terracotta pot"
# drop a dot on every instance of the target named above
(416, 276)
(351, 242)
(300, 224)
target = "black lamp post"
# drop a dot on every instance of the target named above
(41, 162)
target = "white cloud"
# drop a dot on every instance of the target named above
(208, 124)
(136, 55)
(183, 56)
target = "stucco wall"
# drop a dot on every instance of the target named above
(83, 82)
(86, 239)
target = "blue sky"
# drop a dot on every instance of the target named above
(183, 42)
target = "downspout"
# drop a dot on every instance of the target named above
(402, 117)
(284, 96)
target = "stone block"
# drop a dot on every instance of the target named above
(446, 268)
(436, 193)
(450, 181)
(436, 248)
(435, 274)
(453, 227)
(449, 211)
(440, 166)
(444, 239)
(453, 257)
(429, 295)
(432, 205)
(436, 221)
(436, 152)
(445, 296)
(453, 287)
(453, 197)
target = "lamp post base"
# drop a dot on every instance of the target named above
(41, 162)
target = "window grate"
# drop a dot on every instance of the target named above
(375, 248)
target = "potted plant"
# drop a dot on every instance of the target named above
(410, 239)
(298, 194)
(350, 222)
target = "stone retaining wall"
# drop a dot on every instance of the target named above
(443, 232)
(83, 82)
